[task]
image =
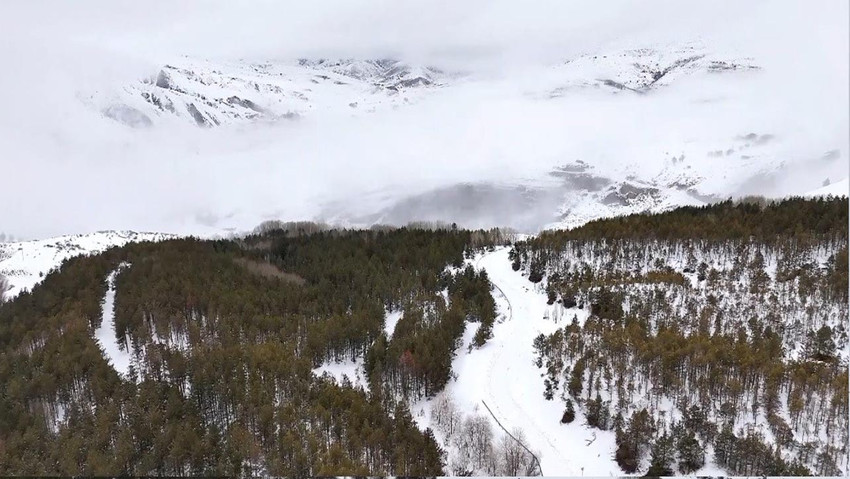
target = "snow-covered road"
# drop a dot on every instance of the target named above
(119, 358)
(514, 388)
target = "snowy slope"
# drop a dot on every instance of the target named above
(649, 129)
(502, 375)
(641, 70)
(25, 263)
(839, 188)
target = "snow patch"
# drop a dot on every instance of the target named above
(353, 370)
(391, 318)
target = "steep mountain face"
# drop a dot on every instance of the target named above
(210, 94)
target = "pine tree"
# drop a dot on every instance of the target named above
(725, 447)
(691, 453)
(597, 413)
(626, 454)
(569, 413)
(661, 457)
(821, 345)
(575, 386)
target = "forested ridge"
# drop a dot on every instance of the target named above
(224, 336)
(711, 334)
(706, 333)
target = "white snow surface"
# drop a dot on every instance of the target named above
(511, 382)
(119, 358)
(391, 319)
(839, 188)
(353, 370)
(25, 263)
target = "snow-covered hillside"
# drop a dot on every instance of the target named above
(209, 93)
(641, 70)
(25, 263)
(502, 374)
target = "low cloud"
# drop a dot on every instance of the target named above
(66, 168)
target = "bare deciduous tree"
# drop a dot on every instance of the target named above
(475, 442)
(446, 415)
(512, 455)
(4, 286)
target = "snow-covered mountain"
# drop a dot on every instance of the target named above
(209, 94)
(642, 70)
(638, 171)
(607, 131)
(25, 263)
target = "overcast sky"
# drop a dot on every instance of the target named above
(64, 169)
